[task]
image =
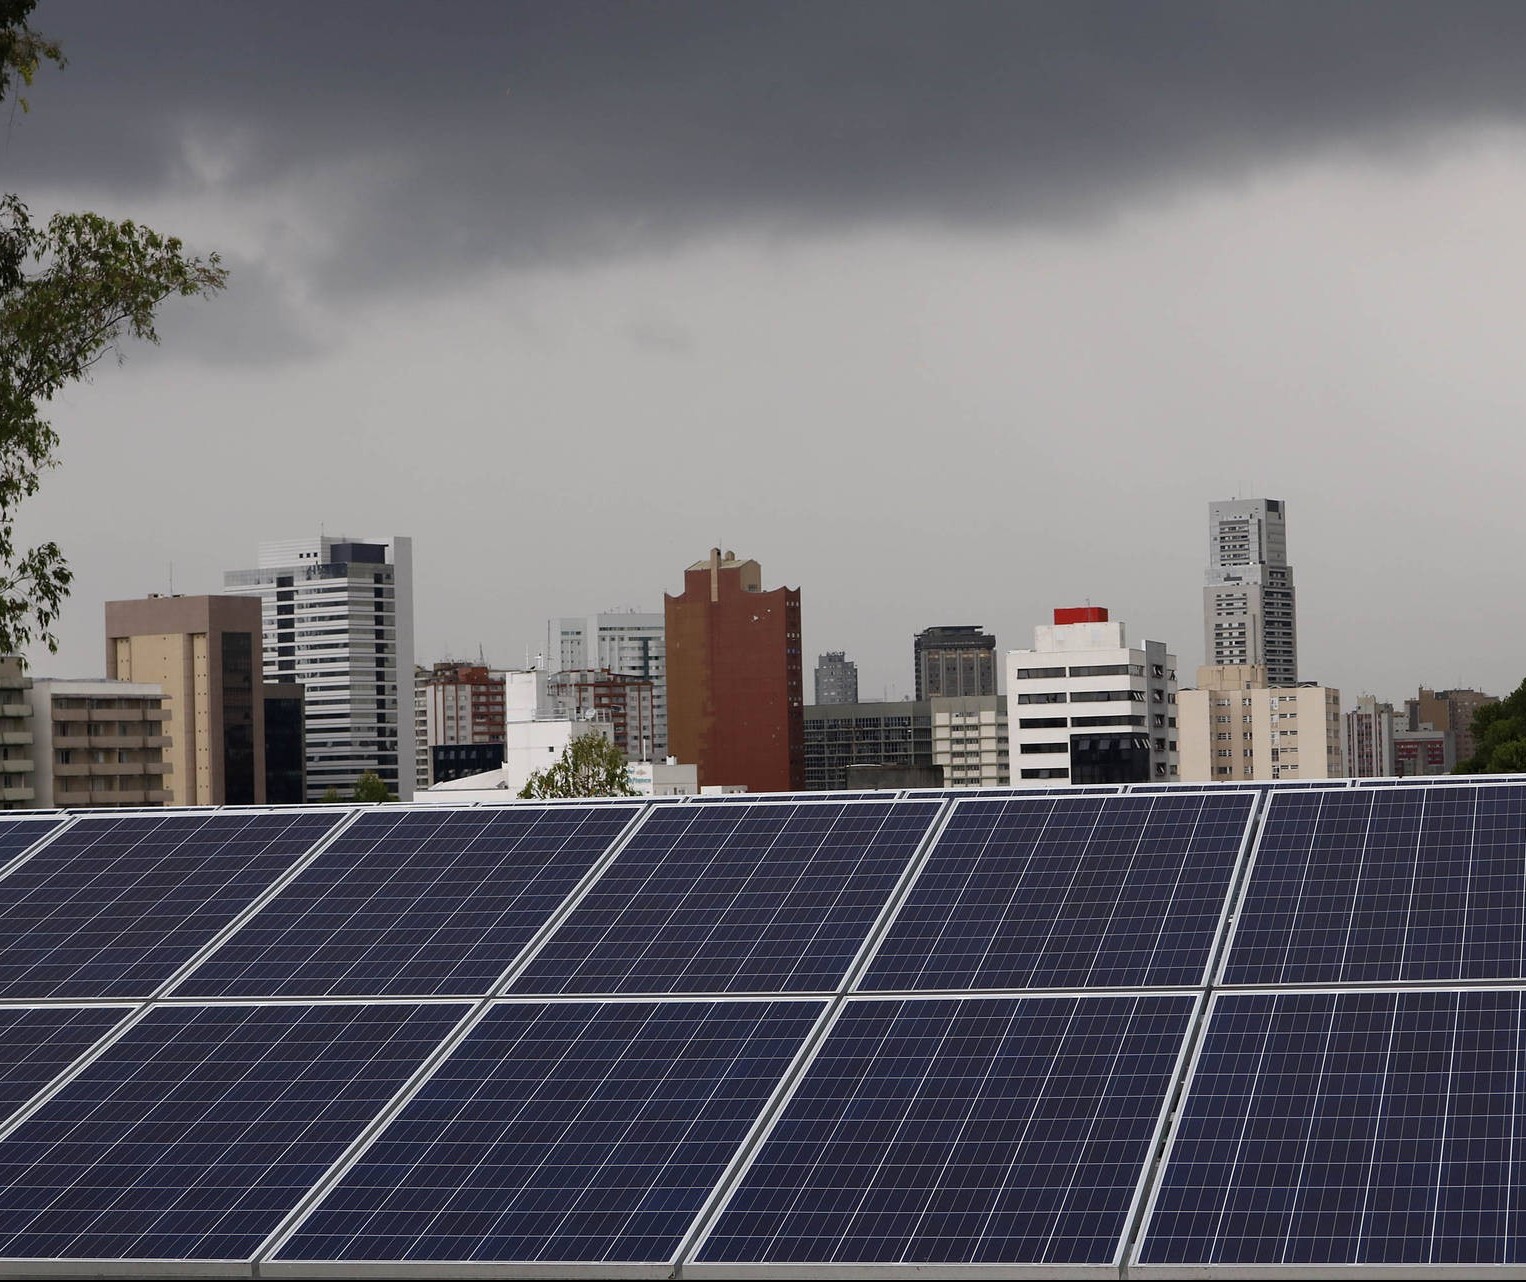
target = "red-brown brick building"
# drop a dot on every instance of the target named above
(735, 684)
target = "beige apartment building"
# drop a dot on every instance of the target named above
(98, 743)
(970, 740)
(18, 783)
(1234, 727)
(205, 653)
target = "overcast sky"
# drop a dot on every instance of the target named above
(946, 313)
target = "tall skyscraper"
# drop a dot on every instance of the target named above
(626, 642)
(735, 685)
(1249, 611)
(836, 678)
(205, 652)
(953, 662)
(338, 617)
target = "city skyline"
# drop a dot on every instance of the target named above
(1041, 282)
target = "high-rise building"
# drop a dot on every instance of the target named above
(1370, 739)
(285, 744)
(18, 763)
(836, 678)
(1085, 707)
(627, 703)
(1234, 727)
(735, 684)
(971, 741)
(1249, 610)
(1448, 711)
(953, 662)
(98, 743)
(626, 642)
(205, 653)
(463, 707)
(337, 614)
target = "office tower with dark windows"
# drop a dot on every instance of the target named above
(337, 614)
(836, 678)
(1249, 608)
(952, 662)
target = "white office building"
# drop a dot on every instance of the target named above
(626, 642)
(337, 614)
(1249, 608)
(1084, 706)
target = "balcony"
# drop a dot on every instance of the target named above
(11, 738)
(70, 769)
(71, 714)
(17, 795)
(115, 740)
(71, 741)
(15, 710)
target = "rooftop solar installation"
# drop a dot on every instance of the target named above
(113, 907)
(976, 1131)
(1064, 892)
(1384, 885)
(38, 1043)
(413, 902)
(568, 1131)
(201, 1127)
(1371, 1128)
(725, 899)
(1064, 790)
(19, 835)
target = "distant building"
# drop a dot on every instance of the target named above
(895, 735)
(626, 642)
(954, 662)
(98, 743)
(1423, 752)
(337, 615)
(285, 744)
(1249, 608)
(735, 687)
(18, 763)
(1451, 711)
(1235, 727)
(1085, 707)
(627, 703)
(205, 653)
(971, 741)
(1370, 739)
(448, 761)
(836, 678)
(459, 705)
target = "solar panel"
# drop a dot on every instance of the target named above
(569, 1131)
(113, 907)
(38, 1043)
(751, 798)
(767, 897)
(1380, 885)
(1068, 893)
(413, 902)
(19, 835)
(1376, 1128)
(962, 1131)
(1061, 790)
(199, 1129)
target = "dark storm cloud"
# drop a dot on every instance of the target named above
(504, 133)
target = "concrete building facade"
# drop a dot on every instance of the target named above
(98, 743)
(734, 671)
(952, 662)
(627, 703)
(1370, 739)
(1448, 711)
(971, 741)
(18, 760)
(1249, 605)
(896, 735)
(337, 616)
(1086, 707)
(206, 654)
(836, 678)
(626, 642)
(1234, 727)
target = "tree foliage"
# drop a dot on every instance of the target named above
(590, 766)
(369, 787)
(1499, 737)
(71, 290)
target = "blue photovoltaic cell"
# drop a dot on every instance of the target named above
(1065, 790)
(563, 1132)
(753, 799)
(16, 835)
(193, 1134)
(1067, 892)
(38, 1043)
(1375, 1128)
(113, 907)
(1385, 884)
(772, 897)
(413, 902)
(949, 1131)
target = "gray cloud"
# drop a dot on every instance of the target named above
(484, 134)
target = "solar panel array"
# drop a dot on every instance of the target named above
(1143, 1031)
